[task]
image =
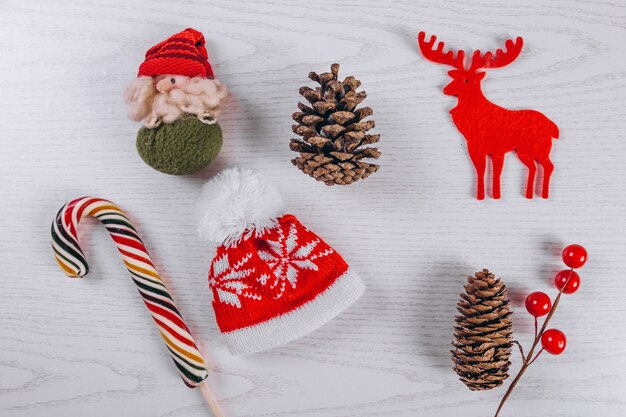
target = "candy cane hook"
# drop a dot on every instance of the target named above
(174, 331)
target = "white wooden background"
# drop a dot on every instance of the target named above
(413, 230)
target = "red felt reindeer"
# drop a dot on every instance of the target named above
(490, 129)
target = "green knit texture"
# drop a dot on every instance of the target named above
(180, 148)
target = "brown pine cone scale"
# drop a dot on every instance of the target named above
(333, 131)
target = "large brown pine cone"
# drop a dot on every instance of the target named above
(483, 333)
(334, 131)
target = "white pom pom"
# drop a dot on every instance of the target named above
(236, 204)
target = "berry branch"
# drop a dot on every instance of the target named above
(521, 349)
(539, 304)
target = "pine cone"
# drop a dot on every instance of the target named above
(483, 333)
(333, 131)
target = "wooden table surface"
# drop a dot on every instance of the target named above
(413, 230)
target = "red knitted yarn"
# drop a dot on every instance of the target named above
(181, 54)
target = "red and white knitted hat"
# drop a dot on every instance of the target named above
(273, 280)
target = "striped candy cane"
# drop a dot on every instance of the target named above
(153, 291)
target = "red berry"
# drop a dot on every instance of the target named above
(574, 256)
(561, 278)
(538, 303)
(553, 341)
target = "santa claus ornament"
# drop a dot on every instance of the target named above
(272, 279)
(177, 98)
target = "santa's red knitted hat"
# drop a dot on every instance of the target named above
(273, 280)
(181, 54)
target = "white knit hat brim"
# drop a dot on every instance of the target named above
(300, 321)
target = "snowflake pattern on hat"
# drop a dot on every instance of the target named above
(230, 283)
(287, 256)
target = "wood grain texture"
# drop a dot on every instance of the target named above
(413, 230)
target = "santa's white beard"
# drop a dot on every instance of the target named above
(155, 101)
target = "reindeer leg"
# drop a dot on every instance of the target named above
(548, 167)
(480, 162)
(498, 162)
(532, 168)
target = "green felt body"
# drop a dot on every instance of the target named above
(179, 148)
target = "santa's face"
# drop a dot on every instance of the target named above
(167, 98)
(168, 82)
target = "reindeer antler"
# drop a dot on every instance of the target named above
(501, 59)
(437, 55)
